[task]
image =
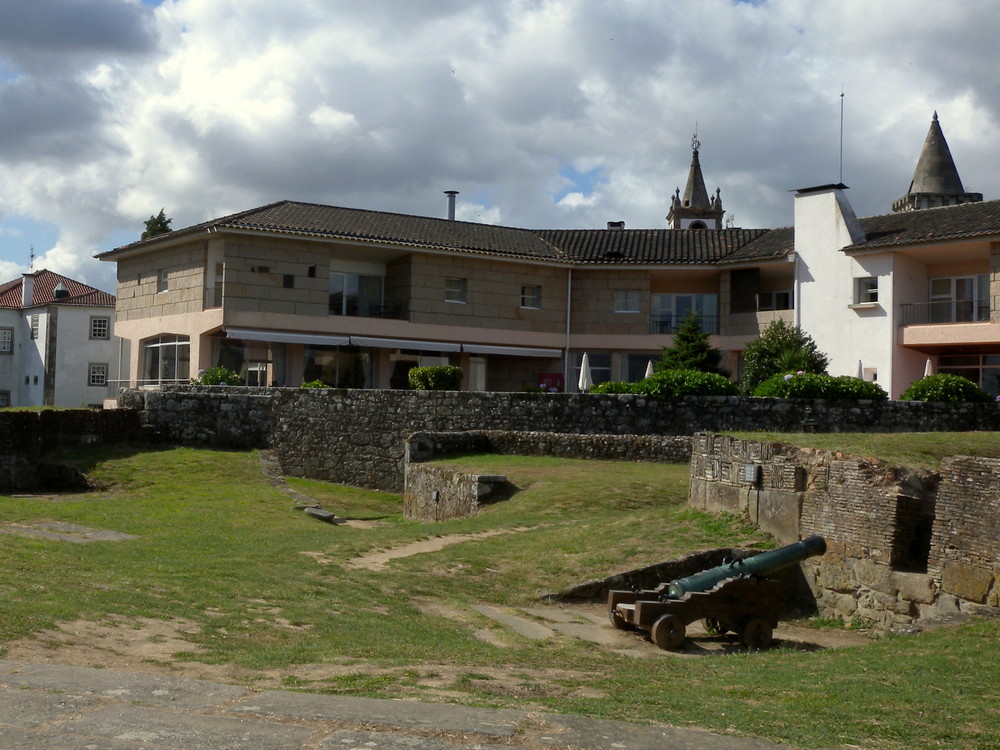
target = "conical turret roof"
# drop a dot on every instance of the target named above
(695, 194)
(935, 180)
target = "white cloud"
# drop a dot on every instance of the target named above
(204, 107)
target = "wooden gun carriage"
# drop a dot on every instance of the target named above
(733, 597)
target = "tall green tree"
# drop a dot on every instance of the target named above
(780, 348)
(156, 225)
(691, 349)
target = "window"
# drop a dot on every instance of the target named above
(288, 281)
(531, 297)
(669, 310)
(167, 358)
(960, 299)
(865, 290)
(98, 374)
(4, 399)
(6, 340)
(627, 300)
(455, 290)
(354, 294)
(775, 300)
(34, 327)
(213, 295)
(163, 281)
(100, 328)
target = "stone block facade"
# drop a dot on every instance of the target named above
(903, 544)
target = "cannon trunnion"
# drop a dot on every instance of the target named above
(734, 597)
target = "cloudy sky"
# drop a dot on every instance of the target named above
(543, 114)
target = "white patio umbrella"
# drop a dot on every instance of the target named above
(928, 368)
(649, 370)
(586, 381)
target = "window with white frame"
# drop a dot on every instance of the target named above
(163, 280)
(6, 340)
(627, 300)
(866, 290)
(34, 327)
(531, 297)
(100, 328)
(98, 374)
(455, 290)
(959, 299)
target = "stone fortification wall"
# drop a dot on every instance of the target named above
(27, 438)
(356, 436)
(435, 493)
(904, 545)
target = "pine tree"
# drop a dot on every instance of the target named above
(156, 225)
(691, 349)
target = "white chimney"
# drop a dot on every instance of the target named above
(451, 203)
(27, 290)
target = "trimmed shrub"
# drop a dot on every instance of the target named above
(446, 378)
(780, 348)
(217, 376)
(813, 385)
(668, 383)
(314, 384)
(951, 389)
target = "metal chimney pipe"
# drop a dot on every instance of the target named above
(451, 203)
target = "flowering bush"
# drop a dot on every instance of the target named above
(812, 385)
(951, 389)
(217, 376)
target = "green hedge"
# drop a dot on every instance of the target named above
(669, 383)
(446, 378)
(813, 385)
(951, 389)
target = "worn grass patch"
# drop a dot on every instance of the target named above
(219, 562)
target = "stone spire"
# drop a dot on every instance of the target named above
(695, 210)
(935, 180)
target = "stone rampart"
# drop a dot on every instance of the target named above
(434, 493)
(904, 544)
(28, 438)
(357, 436)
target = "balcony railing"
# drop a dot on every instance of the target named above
(944, 311)
(669, 323)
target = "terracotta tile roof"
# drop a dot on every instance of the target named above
(652, 246)
(44, 292)
(965, 221)
(590, 246)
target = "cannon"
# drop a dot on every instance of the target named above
(736, 596)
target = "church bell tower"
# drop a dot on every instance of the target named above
(695, 210)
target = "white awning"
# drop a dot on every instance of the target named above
(425, 346)
(287, 337)
(510, 351)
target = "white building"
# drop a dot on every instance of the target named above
(57, 343)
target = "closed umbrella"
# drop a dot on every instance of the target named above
(928, 368)
(586, 381)
(649, 370)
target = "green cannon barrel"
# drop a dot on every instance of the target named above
(762, 564)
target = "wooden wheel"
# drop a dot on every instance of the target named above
(756, 633)
(668, 632)
(618, 620)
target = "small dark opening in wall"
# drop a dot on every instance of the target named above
(288, 281)
(911, 540)
(312, 272)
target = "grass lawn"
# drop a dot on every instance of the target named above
(266, 593)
